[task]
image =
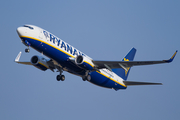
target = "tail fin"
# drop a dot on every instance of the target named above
(123, 72)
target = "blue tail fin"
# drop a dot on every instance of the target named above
(120, 71)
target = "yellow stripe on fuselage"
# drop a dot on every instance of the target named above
(112, 79)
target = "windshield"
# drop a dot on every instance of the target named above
(28, 27)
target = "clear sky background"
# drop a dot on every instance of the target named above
(104, 30)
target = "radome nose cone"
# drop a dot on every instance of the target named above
(20, 31)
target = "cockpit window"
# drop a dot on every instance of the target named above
(28, 27)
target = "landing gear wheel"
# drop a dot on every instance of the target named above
(88, 77)
(84, 78)
(27, 50)
(60, 77)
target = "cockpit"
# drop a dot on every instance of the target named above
(28, 27)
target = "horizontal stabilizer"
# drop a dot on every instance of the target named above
(128, 83)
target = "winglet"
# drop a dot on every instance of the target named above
(171, 59)
(18, 57)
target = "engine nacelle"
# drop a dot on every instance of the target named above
(39, 62)
(84, 63)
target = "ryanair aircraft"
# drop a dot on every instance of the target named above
(64, 57)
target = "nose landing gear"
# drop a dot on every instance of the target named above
(27, 50)
(27, 44)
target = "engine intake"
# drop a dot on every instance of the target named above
(79, 59)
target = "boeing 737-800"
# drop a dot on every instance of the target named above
(64, 57)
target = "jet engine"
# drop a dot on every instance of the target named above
(84, 63)
(39, 62)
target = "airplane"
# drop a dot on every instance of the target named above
(64, 57)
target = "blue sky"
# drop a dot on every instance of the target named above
(104, 30)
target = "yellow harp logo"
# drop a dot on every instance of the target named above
(127, 69)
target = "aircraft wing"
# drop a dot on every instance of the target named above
(126, 64)
(51, 63)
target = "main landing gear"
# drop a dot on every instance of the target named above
(27, 44)
(87, 77)
(60, 76)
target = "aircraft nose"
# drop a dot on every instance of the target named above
(20, 31)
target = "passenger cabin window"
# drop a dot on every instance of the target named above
(28, 27)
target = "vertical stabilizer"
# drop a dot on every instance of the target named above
(123, 72)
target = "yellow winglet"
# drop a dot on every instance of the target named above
(171, 59)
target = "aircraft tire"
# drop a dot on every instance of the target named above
(27, 50)
(58, 77)
(84, 78)
(88, 77)
(62, 77)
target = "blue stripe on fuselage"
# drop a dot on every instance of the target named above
(62, 58)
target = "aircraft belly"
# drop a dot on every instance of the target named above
(103, 81)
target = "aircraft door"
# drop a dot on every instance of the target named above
(41, 36)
